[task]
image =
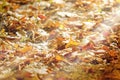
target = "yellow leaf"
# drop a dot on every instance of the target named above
(2, 31)
(61, 58)
(99, 10)
(18, 28)
(11, 55)
(89, 20)
(25, 49)
(61, 26)
(72, 43)
(58, 57)
(16, 46)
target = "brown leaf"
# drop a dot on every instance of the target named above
(112, 53)
(89, 46)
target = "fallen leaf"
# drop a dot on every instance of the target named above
(41, 16)
(72, 43)
(59, 57)
(25, 49)
(112, 53)
(35, 77)
(61, 26)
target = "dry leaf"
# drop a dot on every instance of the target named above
(35, 77)
(25, 49)
(112, 53)
(72, 43)
(59, 57)
(41, 16)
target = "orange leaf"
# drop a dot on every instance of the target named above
(35, 77)
(112, 53)
(23, 19)
(105, 47)
(60, 40)
(59, 57)
(27, 74)
(41, 16)
(25, 49)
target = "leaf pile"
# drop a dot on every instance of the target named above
(59, 39)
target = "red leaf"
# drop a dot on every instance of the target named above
(41, 16)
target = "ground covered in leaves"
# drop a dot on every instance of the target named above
(59, 40)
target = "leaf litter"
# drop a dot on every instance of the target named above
(59, 39)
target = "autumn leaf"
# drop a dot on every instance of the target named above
(88, 46)
(59, 57)
(27, 74)
(16, 46)
(23, 19)
(112, 53)
(105, 47)
(61, 27)
(51, 25)
(72, 43)
(60, 44)
(2, 31)
(35, 77)
(25, 49)
(57, 23)
(41, 16)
